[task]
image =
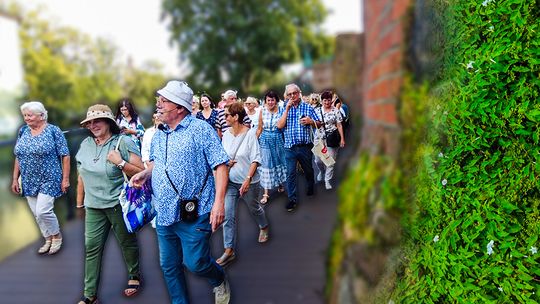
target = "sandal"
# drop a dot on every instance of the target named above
(226, 258)
(264, 199)
(134, 284)
(263, 235)
(45, 248)
(86, 300)
(55, 246)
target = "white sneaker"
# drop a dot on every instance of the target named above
(320, 177)
(327, 185)
(222, 293)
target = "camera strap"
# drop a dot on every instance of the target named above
(162, 128)
(176, 190)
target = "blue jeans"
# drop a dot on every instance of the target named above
(251, 198)
(193, 239)
(303, 155)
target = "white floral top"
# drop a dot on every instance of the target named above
(331, 119)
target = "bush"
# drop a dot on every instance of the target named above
(473, 230)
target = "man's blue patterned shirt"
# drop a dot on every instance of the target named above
(188, 153)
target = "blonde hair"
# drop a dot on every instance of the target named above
(35, 107)
(252, 99)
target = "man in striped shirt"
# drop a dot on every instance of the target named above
(229, 98)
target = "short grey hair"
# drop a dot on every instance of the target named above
(35, 107)
(292, 85)
(229, 93)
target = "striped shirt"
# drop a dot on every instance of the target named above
(222, 123)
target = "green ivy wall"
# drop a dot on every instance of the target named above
(446, 210)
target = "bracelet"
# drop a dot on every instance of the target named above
(79, 206)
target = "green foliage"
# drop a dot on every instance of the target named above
(69, 71)
(241, 44)
(475, 223)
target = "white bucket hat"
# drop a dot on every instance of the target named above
(179, 93)
(98, 111)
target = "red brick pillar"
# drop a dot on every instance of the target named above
(384, 28)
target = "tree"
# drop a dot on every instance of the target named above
(240, 43)
(68, 71)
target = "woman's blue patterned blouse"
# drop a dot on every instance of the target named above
(212, 119)
(40, 160)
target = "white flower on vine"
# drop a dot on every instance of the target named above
(533, 250)
(489, 247)
(491, 28)
(500, 289)
(470, 65)
(436, 239)
(444, 182)
(486, 2)
(441, 155)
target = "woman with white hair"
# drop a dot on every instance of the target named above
(42, 163)
(252, 110)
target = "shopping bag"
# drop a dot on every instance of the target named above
(320, 150)
(137, 207)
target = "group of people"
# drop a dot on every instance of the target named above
(200, 165)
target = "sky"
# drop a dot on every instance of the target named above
(136, 28)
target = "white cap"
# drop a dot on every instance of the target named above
(179, 93)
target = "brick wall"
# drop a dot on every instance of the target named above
(348, 60)
(384, 30)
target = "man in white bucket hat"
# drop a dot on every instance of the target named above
(188, 200)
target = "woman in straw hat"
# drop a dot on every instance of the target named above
(42, 163)
(102, 159)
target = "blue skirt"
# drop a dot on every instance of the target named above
(273, 169)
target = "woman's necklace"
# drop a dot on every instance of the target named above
(98, 154)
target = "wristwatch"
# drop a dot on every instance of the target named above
(121, 165)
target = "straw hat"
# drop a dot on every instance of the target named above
(98, 111)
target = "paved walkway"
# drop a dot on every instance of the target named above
(290, 268)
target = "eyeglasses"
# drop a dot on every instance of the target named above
(293, 93)
(161, 99)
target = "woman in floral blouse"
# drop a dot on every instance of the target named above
(128, 120)
(331, 118)
(208, 113)
(42, 162)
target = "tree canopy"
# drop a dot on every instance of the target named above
(68, 70)
(241, 44)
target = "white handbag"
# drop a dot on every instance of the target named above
(319, 149)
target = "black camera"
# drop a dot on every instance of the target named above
(189, 210)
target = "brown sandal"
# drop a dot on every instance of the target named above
(263, 235)
(134, 284)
